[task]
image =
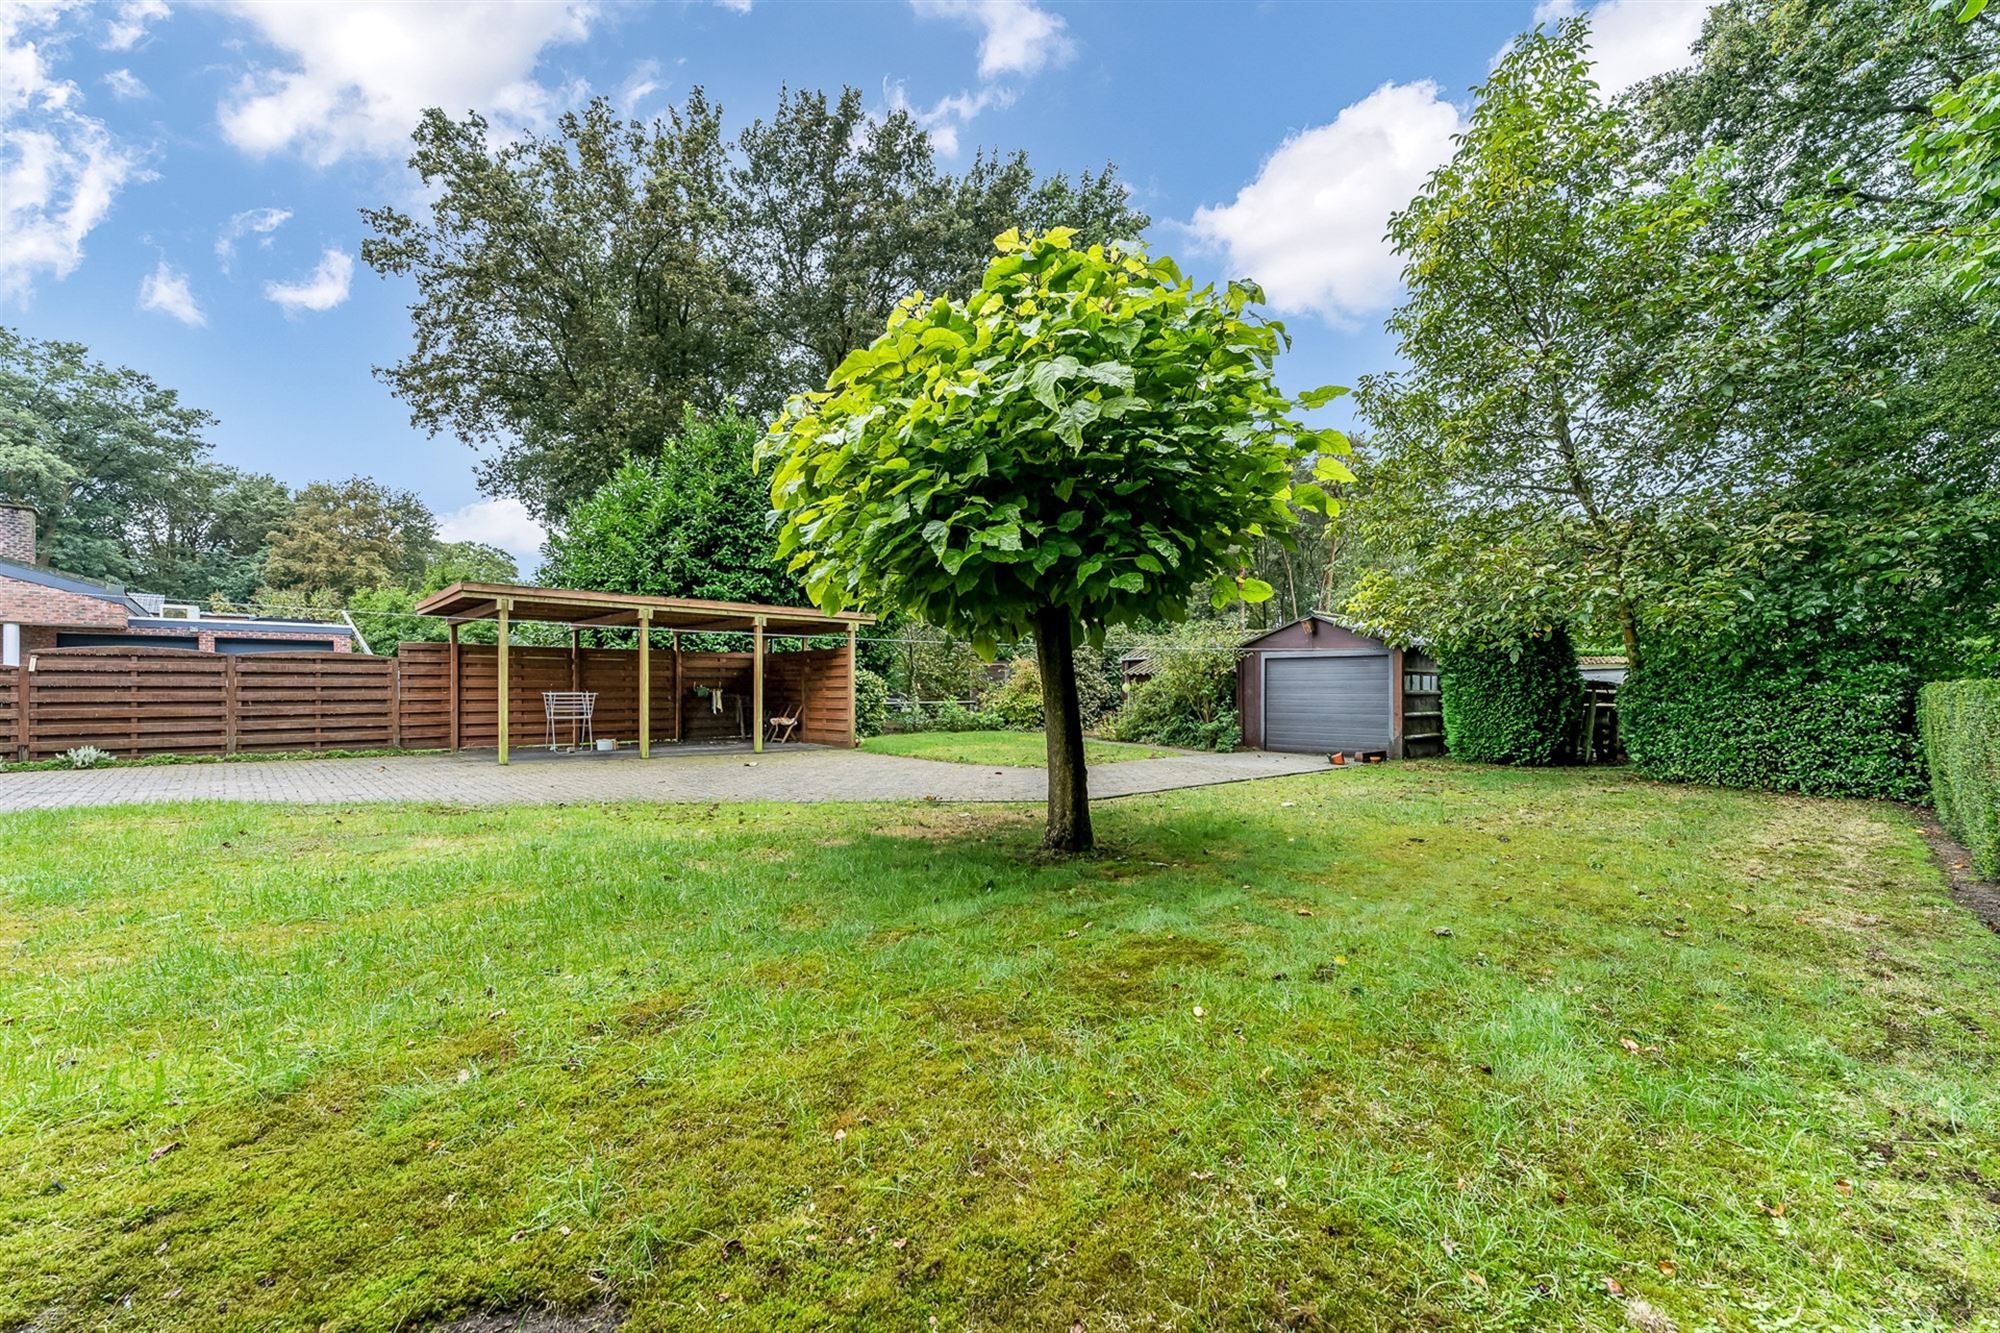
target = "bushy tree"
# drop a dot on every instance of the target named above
(358, 533)
(579, 291)
(1188, 697)
(1081, 444)
(691, 520)
(574, 293)
(1555, 401)
(123, 476)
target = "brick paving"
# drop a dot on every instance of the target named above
(787, 773)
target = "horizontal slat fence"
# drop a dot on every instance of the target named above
(170, 701)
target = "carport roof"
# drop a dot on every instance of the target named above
(581, 607)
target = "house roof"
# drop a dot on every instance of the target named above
(585, 607)
(70, 583)
(243, 624)
(1320, 617)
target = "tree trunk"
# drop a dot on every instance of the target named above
(1069, 794)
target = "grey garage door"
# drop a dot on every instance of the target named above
(1327, 702)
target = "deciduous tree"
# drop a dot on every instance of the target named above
(1082, 443)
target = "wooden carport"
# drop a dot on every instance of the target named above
(505, 604)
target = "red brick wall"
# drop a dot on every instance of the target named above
(26, 603)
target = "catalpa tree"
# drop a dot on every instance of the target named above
(1086, 442)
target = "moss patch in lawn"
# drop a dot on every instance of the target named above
(1002, 749)
(385, 1067)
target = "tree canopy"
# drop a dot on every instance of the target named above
(1555, 402)
(1082, 443)
(124, 477)
(1641, 400)
(579, 291)
(693, 520)
(342, 536)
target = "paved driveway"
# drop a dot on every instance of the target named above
(802, 773)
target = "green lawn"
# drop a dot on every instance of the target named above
(1409, 1046)
(1020, 749)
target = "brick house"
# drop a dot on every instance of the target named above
(42, 608)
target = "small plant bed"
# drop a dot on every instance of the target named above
(1416, 1046)
(64, 762)
(1015, 749)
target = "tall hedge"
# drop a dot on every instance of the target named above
(1960, 724)
(1824, 729)
(1517, 704)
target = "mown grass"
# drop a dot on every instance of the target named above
(867, 1066)
(1019, 749)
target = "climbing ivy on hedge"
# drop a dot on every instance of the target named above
(1830, 728)
(1516, 704)
(1960, 724)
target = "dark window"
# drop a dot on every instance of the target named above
(127, 641)
(239, 647)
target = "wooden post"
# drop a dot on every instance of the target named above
(502, 607)
(575, 658)
(853, 684)
(1590, 727)
(451, 636)
(645, 682)
(27, 734)
(229, 705)
(757, 685)
(674, 646)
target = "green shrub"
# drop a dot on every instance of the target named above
(871, 702)
(1017, 700)
(1189, 701)
(1517, 704)
(1824, 729)
(1960, 724)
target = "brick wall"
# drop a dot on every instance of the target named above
(26, 603)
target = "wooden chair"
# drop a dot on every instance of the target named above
(784, 726)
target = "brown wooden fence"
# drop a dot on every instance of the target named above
(431, 696)
(172, 701)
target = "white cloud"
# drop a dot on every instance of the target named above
(1310, 227)
(640, 84)
(502, 523)
(322, 289)
(166, 290)
(359, 73)
(60, 170)
(1016, 36)
(130, 21)
(1633, 40)
(735, 6)
(126, 86)
(943, 119)
(251, 221)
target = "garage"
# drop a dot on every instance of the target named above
(1327, 702)
(1315, 686)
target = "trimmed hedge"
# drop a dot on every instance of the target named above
(1960, 723)
(1825, 729)
(1513, 705)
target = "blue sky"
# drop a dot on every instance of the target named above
(179, 184)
